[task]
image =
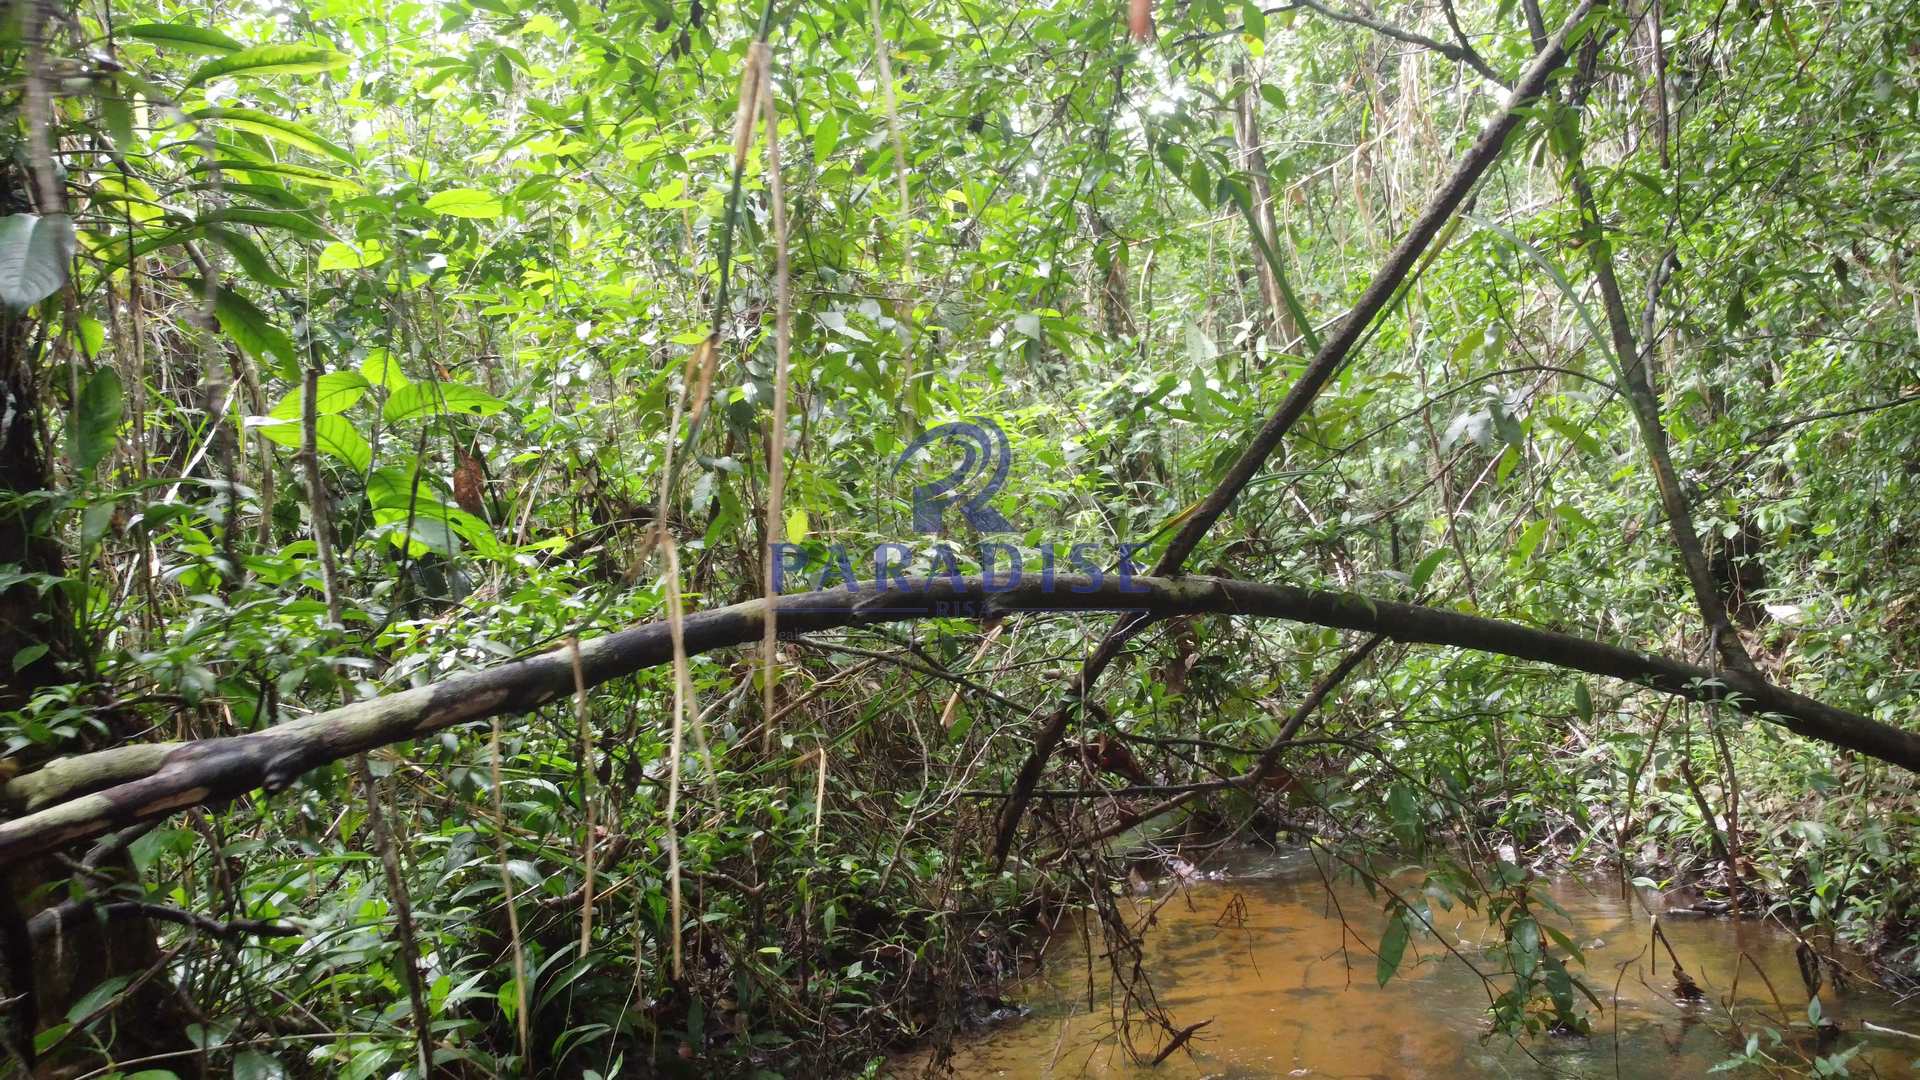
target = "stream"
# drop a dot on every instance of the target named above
(1288, 994)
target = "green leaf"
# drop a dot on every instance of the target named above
(466, 203)
(96, 420)
(251, 329)
(382, 369)
(254, 1065)
(336, 392)
(299, 174)
(28, 655)
(270, 60)
(826, 135)
(277, 128)
(287, 220)
(426, 399)
(117, 111)
(1423, 573)
(1403, 805)
(183, 38)
(1508, 459)
(339, 256)
(95, 520)
(1577, 435)
(1525, 933)
(1583, 701)
(333, 435)
(93, 335)
(93, 999)
(396, 488)
(252, 260)
(426, 529)
(1529, 540)
(1393, 946)
(34, 250)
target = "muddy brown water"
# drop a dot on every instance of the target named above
(1289, 994)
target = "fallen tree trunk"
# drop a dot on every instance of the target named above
(90, 794)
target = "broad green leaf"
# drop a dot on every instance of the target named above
(251, 329)
(382, 369)
(277, 128)
(339, 256)
(1393, 947)
(118, 256)
(252, 260)
(95, 421)
(93, 335)
(396, 488)
(117, 111)
(427, 399)
(1423, 573)
(1583, 701)
(396, 497)
(270, 60)
(1526, 945)
(796, 526)
(272, 195)
(92, 1000)
(1530, 540)
(287, 220)
(465, 203)
(333, 435)
(95, 520)
(826, 135)
(1509, 458)
(255, 1065)
(1403, 805)
(183, 38)
(424, 529)
(299, 174)
(337, 391)
(1577, 435)
(34, 250)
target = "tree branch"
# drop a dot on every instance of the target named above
(53, 920)
(213, 771)
(1461, 53)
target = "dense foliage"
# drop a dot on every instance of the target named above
(505, 248)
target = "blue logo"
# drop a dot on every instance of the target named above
(985, 454)
(904, 571)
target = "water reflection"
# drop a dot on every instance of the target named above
(1264, 955)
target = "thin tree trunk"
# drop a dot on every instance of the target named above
(1645, 406)
(1253, 158)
